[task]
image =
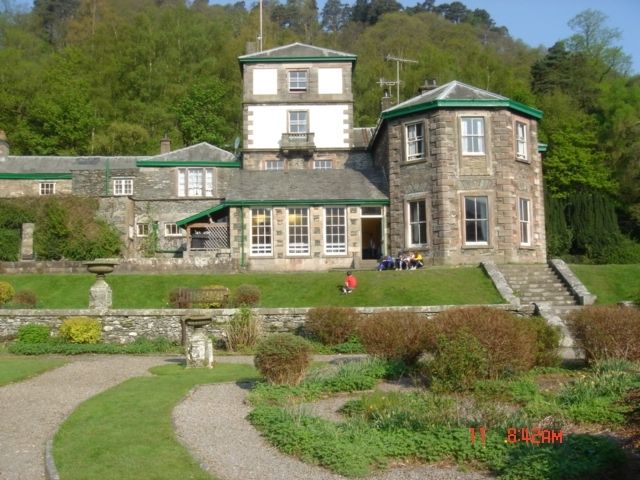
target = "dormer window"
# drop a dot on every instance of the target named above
(298, 80)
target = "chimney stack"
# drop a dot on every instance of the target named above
(386, 102)
(4, 145)
(250, 48)
(427, 86)
(165, 145)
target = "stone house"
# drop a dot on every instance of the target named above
(454, 173)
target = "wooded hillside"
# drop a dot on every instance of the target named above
(85, 77)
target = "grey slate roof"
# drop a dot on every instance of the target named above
(296, 50)
(199, 151)
(248, 185)
(47, 164)
(362, 136)
(454, 90)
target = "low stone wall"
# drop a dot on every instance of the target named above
(220, 263)
(122, 326)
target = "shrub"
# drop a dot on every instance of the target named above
(6, 292)
(331, 325)
(283, 358)
(25, 298)
(606, 332)
(242, 331)
(547, 341)
(458, 362)
(509, 341)
(81, 330)
(9, 244)
(34, 333)
(248, 295)
(395, 335)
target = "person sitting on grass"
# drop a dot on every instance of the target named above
(350, 283)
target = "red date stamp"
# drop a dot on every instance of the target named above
(535, 436)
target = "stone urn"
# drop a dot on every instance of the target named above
(100, 295)
(199, 348)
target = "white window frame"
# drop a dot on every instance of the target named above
(419, 223)
(473, 135)
(142, 229)
(298, 124)
(322, 164)
(261, 232)
(172, 230)
(122, 186)
(47, 188)
(521, 141)
(475, 222)
(298, 231)
(335, 231)
(298, 80)
(195, 182)
(274, 165)
(414, 142)
(524, 220)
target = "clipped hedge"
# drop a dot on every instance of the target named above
(283, 358)
(331, 325)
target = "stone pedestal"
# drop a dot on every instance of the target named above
(100, 296)
(26, 246)
(199, 348)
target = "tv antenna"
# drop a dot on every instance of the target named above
(398, 61)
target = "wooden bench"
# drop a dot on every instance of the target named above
(199, 297)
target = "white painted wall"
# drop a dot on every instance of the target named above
(269, 122)
(265, 81)
(330, 80)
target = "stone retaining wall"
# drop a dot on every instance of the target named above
(121, 326)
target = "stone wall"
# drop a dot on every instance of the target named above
(31, 188)
(122, 326)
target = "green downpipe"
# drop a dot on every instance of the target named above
(242, 264)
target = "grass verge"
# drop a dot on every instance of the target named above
(428, 286)
(611, 283)
(18, 369)
(126, 432)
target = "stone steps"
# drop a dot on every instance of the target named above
(537, 284)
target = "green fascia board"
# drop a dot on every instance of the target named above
(189, 163)
(35, 176)
(479, 103)
(279, 203)
(346, 58)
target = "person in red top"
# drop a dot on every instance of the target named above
(350, 283)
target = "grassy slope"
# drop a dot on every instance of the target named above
(17, 369)
(430, 286)
(611, 283)
(126, 432)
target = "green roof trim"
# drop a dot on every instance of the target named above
(471, 103)
(35, 176)
(187, 163)
(279, 203)
(345, 58)
(542, 147)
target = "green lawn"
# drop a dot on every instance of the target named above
(15, 369)
(429, 286)
(611, 283)
(126, 432)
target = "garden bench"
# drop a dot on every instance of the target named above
(199, 297)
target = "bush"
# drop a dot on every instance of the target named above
(81, 330)
(458, 362)
(283, 358)
(395, 335)
(9, 244)
(25, 298)
(547, 342)
(606, 332)
(509, 341)
(6, 292)
(248, 295)
(34, 333)
(242, 331)
(331, 325)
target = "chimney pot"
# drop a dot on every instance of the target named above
(428, 85)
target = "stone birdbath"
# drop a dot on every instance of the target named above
(100, 296)
(199, 348)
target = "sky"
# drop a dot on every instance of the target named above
(544, 22)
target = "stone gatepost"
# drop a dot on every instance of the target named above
(26, 247)
(199, 348)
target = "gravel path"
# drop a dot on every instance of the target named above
(211, 423)
(31, 411)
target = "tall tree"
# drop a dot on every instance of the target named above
(335, 15)
(53, 16)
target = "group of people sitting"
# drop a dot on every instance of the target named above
(404, 261)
